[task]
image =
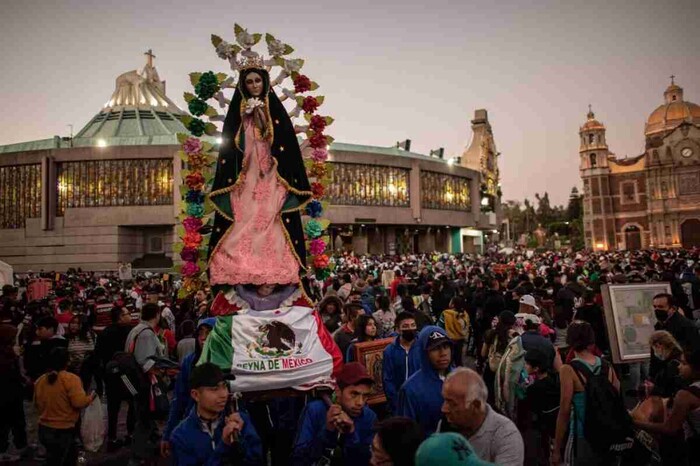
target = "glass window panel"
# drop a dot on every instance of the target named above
(444, 192)
(20, 195)
(114, 183)
(371, 185)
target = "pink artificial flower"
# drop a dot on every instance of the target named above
(192, 224)
(189, 269)
(319, 155)
(316, 247)
(192, 146)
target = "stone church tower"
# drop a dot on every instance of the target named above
(481, 155)
(593, 154)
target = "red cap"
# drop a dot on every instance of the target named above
(353, 373)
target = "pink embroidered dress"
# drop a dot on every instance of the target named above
(255, 250)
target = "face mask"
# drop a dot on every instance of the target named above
(659, 356)
(408, 335)
(661, 315)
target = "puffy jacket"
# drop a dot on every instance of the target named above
(420, 397)
(182, 401)
(193, 446)
(314, 441)
(397, 366)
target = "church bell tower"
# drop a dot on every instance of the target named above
(593, 149)
(598, 223)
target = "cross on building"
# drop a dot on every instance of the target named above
(150, 58)
(672, 78)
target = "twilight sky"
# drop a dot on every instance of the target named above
(389, 69)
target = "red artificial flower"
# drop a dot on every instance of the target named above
(318, 141)
(192, 240)
(310, 104)
(318, 190)
(321, 262)
(302, 84)
(317, 123)
(195, 181)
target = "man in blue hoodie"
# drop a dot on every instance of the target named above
(343, 431)
(401, 359)
(420, 397)
(207, 435)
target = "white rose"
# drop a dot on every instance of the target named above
(251, 104)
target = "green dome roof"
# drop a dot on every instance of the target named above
(138, 107)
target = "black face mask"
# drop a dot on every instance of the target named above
(661, 315)
(408, 335)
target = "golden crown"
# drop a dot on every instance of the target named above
(255, 61)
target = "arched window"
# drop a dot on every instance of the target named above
(591, 138)
(594, 161)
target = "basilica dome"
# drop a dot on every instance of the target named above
(672, 113)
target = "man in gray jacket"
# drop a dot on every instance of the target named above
(144, 344)
(142, 341)
(494, 437)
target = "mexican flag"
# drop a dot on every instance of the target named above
(267, 350)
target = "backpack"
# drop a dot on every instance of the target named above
(607, 425)
(124, 366)
(511, 378)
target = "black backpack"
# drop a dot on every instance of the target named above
(124, 366)
(607, 425)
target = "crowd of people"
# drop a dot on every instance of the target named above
(501, 358)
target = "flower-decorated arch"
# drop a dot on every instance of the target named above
(199, 150)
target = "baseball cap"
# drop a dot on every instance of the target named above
(436, 339)
(448, 449)
(529, 300)
(353, 373)
(206, 375)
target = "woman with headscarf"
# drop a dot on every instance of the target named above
(495, 342)
(330, 310)
(259, 189)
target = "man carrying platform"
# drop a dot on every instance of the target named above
(343, 431)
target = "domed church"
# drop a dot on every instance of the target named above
(651, 200)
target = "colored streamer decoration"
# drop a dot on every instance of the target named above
(199, 151)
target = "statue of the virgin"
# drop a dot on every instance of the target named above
(259, 190)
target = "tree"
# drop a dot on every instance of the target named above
(573, 210)
(545, 213)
